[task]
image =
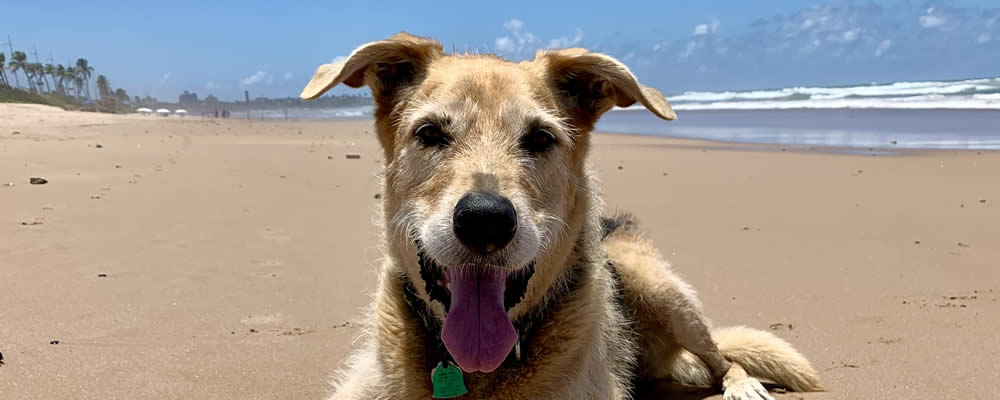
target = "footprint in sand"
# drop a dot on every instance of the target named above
(270, 269)
(271, 325)
(275, 234)
(263, 321)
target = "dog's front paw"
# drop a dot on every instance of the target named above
(746, 389)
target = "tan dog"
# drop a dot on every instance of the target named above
(496, 258)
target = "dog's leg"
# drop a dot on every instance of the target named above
(737, 385)
(670, 319)
(691, 330)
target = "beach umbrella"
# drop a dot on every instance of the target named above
(144, 110)
(163, 112)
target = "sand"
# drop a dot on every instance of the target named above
(203, 259)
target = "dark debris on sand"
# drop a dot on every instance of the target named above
(37, 181)
(781, 326)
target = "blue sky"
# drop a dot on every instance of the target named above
(271, 48)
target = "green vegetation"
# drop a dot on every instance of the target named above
(68, 87)
(194, 104)
(57, 85)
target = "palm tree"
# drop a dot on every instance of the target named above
(60, 76)
(19, 60)
(3, 75)
(84, 70)
(78, 83)
(71, 79)
(50, 73)
(103, 87)
(38, 70)
(121, 96)
(31, 70)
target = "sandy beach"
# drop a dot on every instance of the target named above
(170, 258)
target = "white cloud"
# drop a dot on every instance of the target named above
(851, 35)
(931, 21)
(567, 42)
(338, 59)
(163, 79)
(984, 38)
(210, 85)
(505, 44)
(518, 40)
(689, 49)
(289, 76)
(705, 29)
(883, 47)
(257, 77)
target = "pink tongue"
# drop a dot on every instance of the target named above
(477, 332)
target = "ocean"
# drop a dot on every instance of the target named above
(962, 114)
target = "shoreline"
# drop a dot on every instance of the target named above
(669, 141)
(684, 142)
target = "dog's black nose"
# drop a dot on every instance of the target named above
(485, 222)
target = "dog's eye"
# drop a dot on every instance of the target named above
(431, 136)
(538, 141)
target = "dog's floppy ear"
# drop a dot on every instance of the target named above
(589, 84)
(384, 66)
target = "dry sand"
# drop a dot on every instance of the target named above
(202, 259)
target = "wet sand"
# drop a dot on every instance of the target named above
(230, 259)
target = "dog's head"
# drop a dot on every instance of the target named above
(485, 177)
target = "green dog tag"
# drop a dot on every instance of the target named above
(448, 381)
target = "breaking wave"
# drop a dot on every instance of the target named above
(968, 94)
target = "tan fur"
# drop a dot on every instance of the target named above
(588, 346)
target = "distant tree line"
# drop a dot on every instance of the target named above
(192, 102)
(56, 84)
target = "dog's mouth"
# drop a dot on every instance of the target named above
(477, 331)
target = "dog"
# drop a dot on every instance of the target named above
(500, 278)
